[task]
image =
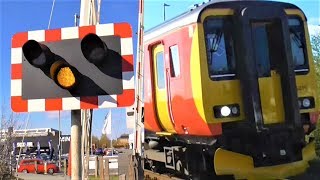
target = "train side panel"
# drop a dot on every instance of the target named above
(185, 114)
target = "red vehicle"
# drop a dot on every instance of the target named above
(28, 166)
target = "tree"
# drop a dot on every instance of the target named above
(95, 140)
(315, 42)
(9, 121)
(104, 141)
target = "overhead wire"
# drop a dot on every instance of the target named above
(50, 18)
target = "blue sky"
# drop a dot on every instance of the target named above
(26, 15)
(154, 9)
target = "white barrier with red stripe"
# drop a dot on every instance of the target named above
(123, 30)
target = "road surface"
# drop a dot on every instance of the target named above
(31, 176)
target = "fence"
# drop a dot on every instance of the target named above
(103, 166)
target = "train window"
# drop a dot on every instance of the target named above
(174, 61)
(220, 47)
(298, 44)
(261, 43)
(160, 70)
(268, 45)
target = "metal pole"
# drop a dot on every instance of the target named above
(76, 164)
(83, 141)
(98, 11)
(139, 79)
(138, 154)
(88, 117)
(91, 138)
(164, 11)
(59, 143)
(76, 17)
(87, 17)
(85, 13)
(110, 131)
(76, 134)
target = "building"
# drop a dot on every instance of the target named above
(122, 141)
(29, 139)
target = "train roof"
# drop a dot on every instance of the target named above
(192, 15)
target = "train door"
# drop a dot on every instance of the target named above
(266, 71)
(264, 35)
(161, 89)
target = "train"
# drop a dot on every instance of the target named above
(229, 92)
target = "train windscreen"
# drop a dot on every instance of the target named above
(219, 47)
(298, 46)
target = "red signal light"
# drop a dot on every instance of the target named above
(37, 54)
(94, 49)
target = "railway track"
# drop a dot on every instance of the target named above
(149, 175)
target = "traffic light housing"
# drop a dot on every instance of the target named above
(51, 64)
(72, 68)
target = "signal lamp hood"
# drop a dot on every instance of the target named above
(38, 55)
(94, 49)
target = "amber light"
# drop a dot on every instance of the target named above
(66, 78)
(63, 74)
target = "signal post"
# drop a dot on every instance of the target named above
(75, 144)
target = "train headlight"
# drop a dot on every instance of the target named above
(234, 110)
(231, 110)
(225, 111)
(306, 102)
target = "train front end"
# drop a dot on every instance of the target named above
(257, 75)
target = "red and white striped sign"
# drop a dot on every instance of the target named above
(123, 30)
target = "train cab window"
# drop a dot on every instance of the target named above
(160, 70)
(174, 61)
(268, 45)
(261, 37)
(220, 48)
(298, 44)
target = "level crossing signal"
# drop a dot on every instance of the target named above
(72, 68)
